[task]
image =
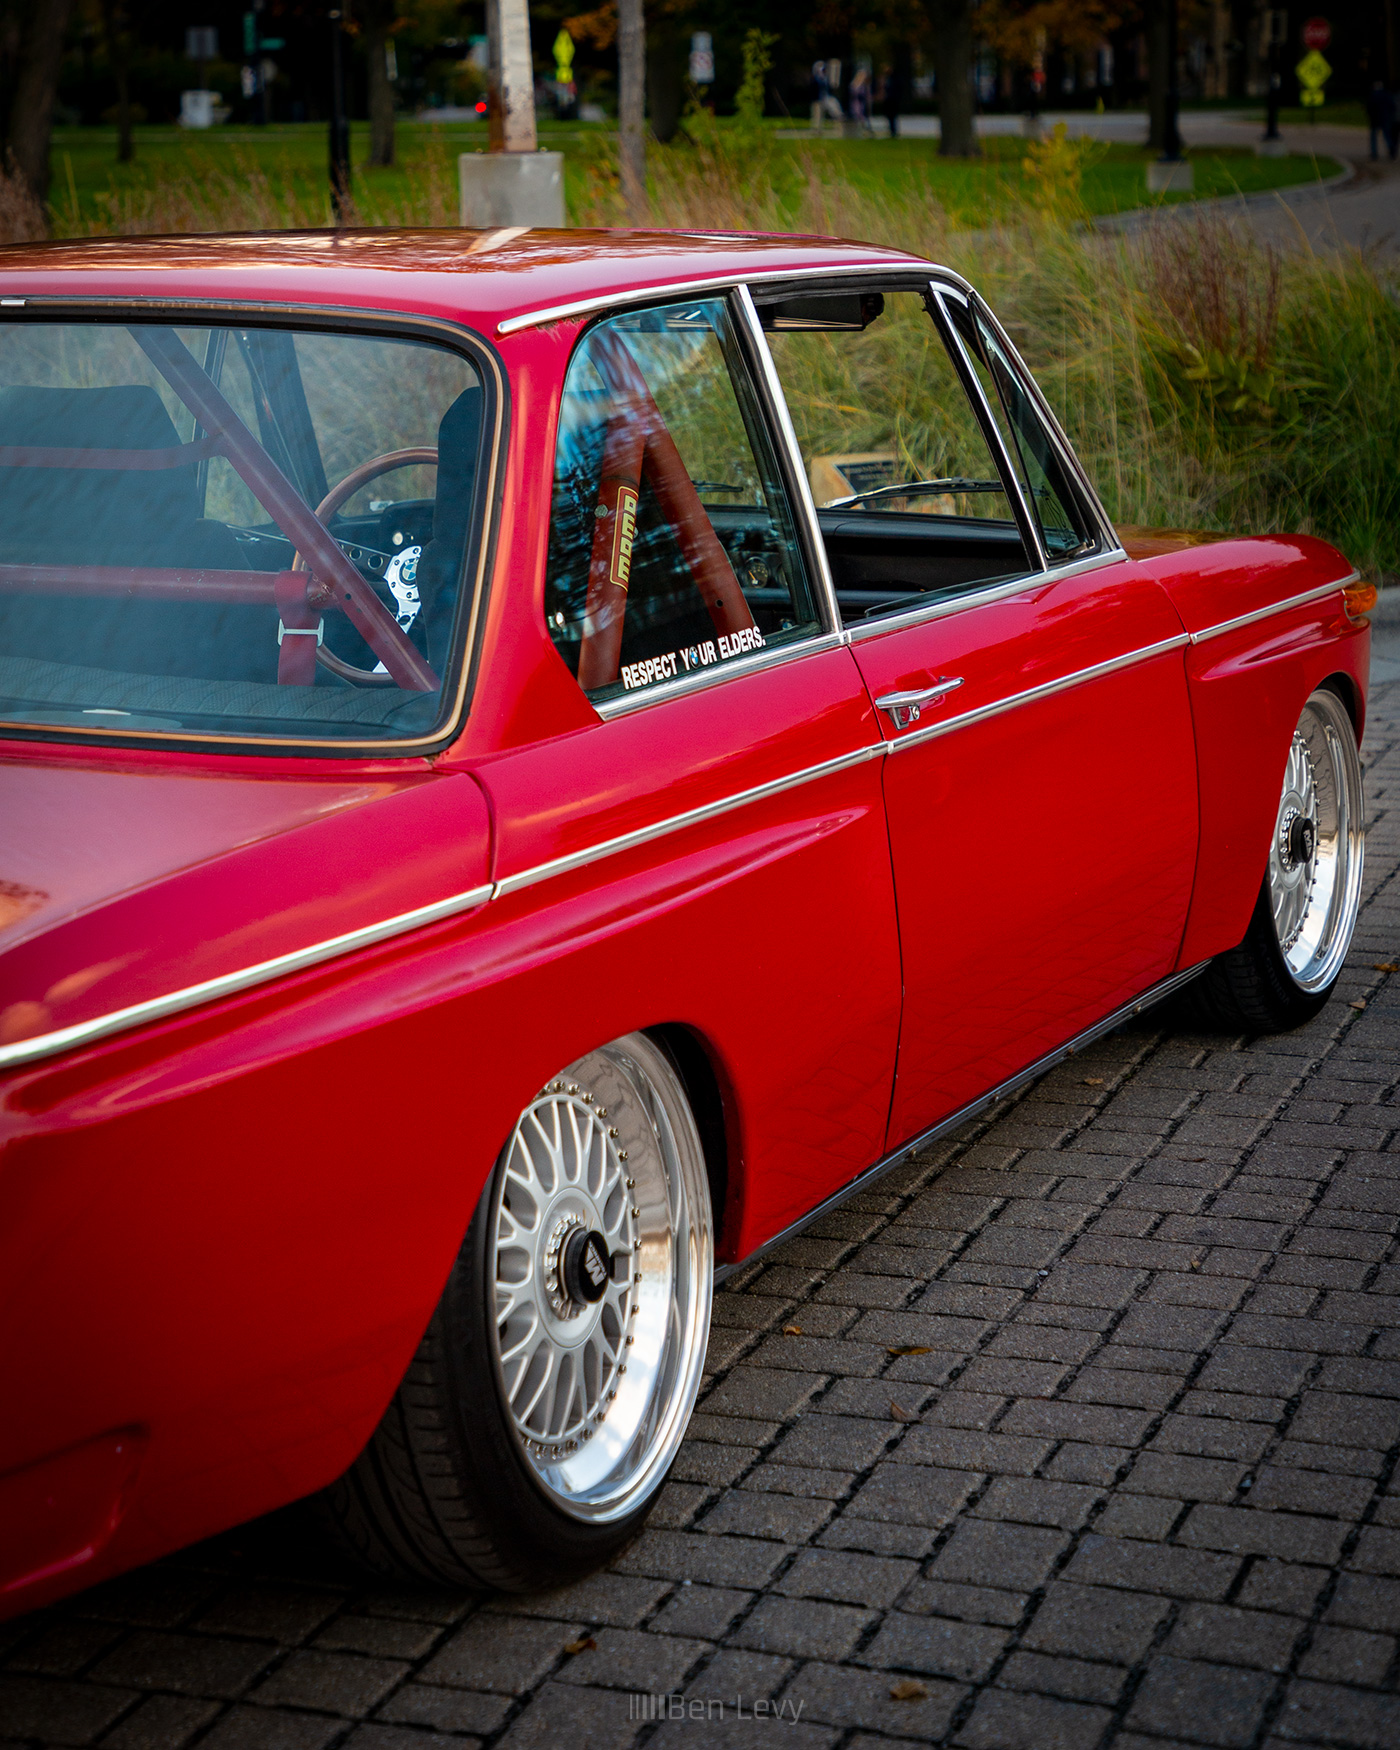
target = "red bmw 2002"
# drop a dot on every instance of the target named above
(533, 765)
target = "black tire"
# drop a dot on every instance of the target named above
(447, 1490)
(1311, 890)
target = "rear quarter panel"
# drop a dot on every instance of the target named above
(1267, 627)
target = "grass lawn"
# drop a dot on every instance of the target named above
(90, 189)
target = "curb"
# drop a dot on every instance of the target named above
(1387, 609)
(1294, 194)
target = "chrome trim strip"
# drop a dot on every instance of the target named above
(790, 453)
(1153, 994)
(1296, 601)
(678, 822)
(720, 282)
(624, 703)
(1043, 691)
(156, 1008)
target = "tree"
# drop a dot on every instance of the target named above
(116, 24)
(31, 111)
(631, 108)
(380, 22)
(951, 24)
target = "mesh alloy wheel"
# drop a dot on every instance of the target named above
(550, 1393)
(1283, 971)
(597, 1376)
(1315, 859)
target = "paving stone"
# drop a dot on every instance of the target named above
(1289, 1586)
(1244, 1532)
(704, 1611)
(1181, 1573)
(846, 1577)
(161, 1722)
(378, 1636)
(259, 1728)
(1235, 1637)
(611, 1598)
(60, 1712)
(1299, 1491)
(713, 1560)
(910, 1496)
(1212, 1437)
(953, 1449)
(1144, 1516)
(1020, 1556)
(374, 1737)
(453, 1710)
(933, 1645)
(58, 1648)
(1004, 1721)
(1343, 1655)
(840, 1696)
(1210, 1703)
(805, 1628)
(1036, 1502)
(1189, 1479)
(281, 1613)
(792, 1479)
(766, 1515)
(627, 1658)
(835, 1442)
(185, 1663)
(1090, 1422)
(767, 1393)
(1347, 1420)
(506, 1654)
(333, 1682)
(1095, 1623)
(1073, 1679)
(1076, 1463)
(966, 1603)
(584, 1719)
(1328, 1712)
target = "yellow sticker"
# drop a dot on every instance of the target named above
(624, 533)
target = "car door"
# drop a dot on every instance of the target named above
(705, 846)
(1040, 785)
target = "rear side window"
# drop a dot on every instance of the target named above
(672, 549)
(234, 532)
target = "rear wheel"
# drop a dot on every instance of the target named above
(1284, 970)
(551, 1392)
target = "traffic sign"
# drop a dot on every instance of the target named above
(1317, 33)
(1313, 71)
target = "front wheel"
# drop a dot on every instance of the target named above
(549, 1397)
(1284, 970)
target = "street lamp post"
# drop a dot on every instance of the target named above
(340, 129)
(1171, 129)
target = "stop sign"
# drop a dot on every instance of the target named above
(1317, 33)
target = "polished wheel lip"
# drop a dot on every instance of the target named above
(637, 1354)
(1314, 898)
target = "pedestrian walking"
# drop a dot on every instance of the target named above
(890, 96)
(1382, 114)
(858, 100)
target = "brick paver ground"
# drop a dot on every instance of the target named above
(1130, 1481)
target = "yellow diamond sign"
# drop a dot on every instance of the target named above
(1313, 71)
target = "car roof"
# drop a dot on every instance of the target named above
(484, 277)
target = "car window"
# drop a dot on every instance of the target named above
(229, 531)
(672, 547)
(1065, 525)
(912, 504)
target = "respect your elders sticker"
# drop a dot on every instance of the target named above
(651, 669)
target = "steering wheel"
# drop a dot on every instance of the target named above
(339, 494)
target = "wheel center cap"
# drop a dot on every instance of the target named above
(1302, 840)
(585, 1268)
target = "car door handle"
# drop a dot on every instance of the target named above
(905, 707)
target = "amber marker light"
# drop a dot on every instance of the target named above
(1358, 599)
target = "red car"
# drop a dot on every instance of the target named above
(533, 765)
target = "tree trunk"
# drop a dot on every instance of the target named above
(381, 90)
(512, 92)
(631, 106)
(665, 93)
(1155, 25)
(116, 25)
(31, 114)
(952, 61)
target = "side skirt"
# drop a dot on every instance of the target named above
(862, 1180)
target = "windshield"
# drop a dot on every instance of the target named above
(251, 532)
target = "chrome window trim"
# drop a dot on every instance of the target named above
(1153, 994)
(1296, 601)
(1027, 521)
(1045, 690)
(1032, 580)
(709, 283)
(229, 983)
(789, 451)
(622, 704)
(1059, 441)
